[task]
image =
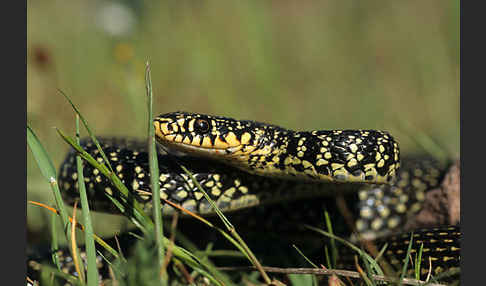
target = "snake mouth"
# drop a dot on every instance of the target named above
(182, 135)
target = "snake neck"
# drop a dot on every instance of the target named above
(363, 156)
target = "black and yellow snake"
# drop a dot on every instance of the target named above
(248, 167)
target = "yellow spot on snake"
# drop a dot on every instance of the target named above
(336, 166)
(229, 192)
(189, 204)
(163, 195)
(231, 139)
(307, 164)
(186, 140)
(377, 156)
(163, 127)
(191, 125)
(196, 141)
(384, 212)
(382, 149)
(365, 212)
(198, 195)
(376, 224)
(218, 143)
(400, 208)
(182, 194)
(135, 185)
(353, 148)
(108, 190)
(162, 177)
(209, 184)
(363, 194)
(393, 222)
(245, 138)
(352, 163)
(215, 191)
(206, 142)
(381, 163)
(369, 166)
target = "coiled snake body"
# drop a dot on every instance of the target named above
(244, 164)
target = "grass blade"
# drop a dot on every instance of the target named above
(334, 250)
(418, 262)
(305, 257)
(154, 179)
(54, 243)
(48, 171)
(92, 271)
(78, 263)
(405, 264)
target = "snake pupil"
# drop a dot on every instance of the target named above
(202, 126)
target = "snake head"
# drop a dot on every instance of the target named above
(204, 135)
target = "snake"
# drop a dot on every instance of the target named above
(249, 167)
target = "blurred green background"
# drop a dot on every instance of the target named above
(299, 64)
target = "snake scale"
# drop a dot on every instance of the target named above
(255, 169)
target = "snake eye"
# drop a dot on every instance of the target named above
(201, 126)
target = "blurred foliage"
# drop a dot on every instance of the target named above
(300, 64)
